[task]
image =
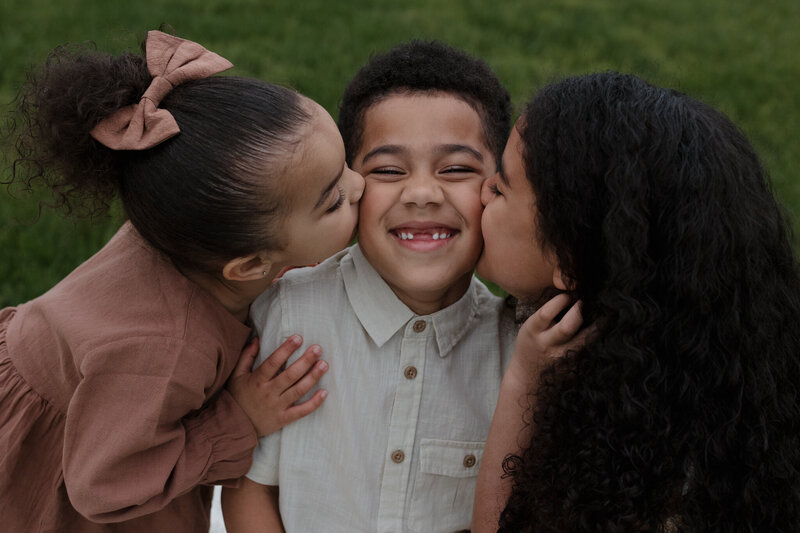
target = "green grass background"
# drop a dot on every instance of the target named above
(739, 55)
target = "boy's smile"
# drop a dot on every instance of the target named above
(424, 158)
(423, 236)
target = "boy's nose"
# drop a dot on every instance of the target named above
(421, 189)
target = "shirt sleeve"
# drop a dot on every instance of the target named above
(268, 318)
(140, 432)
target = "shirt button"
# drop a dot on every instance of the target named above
(419, 326)
(469, 461)
(398, 456)
(410, 372)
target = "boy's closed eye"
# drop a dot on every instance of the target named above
(386, 173)
(458, 172)
(450, 173)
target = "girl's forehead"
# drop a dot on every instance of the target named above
(317, 160)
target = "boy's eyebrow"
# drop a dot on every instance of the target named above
(455, 148)
(328, 189)
(442, 149)
(385, 149)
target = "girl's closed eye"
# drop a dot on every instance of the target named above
(339, 201)
(494, 190)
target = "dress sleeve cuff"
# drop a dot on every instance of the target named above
(229, 436)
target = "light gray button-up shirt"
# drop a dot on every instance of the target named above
(397, 444)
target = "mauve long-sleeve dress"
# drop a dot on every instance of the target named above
(113, 415)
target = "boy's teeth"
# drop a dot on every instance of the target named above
(435, 236)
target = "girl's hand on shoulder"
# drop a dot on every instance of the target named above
(267, 395)
(542, 337)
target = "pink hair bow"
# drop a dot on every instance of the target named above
(171, 61)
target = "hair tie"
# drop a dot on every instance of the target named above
(171, 61)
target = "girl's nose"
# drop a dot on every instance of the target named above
(355, 185)
(486, 192)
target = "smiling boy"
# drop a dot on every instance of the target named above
(424, 159)
(417, 345)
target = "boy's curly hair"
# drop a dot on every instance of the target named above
(426, 66)
(682, 414)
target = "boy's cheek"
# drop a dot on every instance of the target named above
(377, 196)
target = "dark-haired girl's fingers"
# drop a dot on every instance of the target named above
(566, 328)
(543, 318)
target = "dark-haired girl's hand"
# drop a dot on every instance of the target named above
(267, 394)
(550, 332)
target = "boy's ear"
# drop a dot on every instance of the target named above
(248, 268)
(561, 281)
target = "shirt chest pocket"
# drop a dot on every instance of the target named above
(444, 485)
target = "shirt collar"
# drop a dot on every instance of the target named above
(456, 320)
(382, 313)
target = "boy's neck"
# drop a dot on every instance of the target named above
(429, 302)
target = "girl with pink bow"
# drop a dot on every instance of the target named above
(126, 391)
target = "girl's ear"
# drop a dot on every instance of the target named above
(561, 281)
(248, 268)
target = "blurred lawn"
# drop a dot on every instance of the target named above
(738, 55)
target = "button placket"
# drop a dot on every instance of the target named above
(399, 457)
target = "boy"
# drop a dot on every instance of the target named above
(417, 345)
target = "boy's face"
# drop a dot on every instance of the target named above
(424, 159)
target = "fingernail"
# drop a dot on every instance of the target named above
(323, 366)
(317, 350)
(295, 339)
(324, 394)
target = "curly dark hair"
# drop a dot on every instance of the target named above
(202, 197)
(426, 66)
(683, 412)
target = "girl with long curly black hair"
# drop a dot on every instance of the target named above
(678, 408)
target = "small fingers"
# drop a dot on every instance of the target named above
(246, 358)
(305, 383)
(276, 359)
(299, 368)
(296, 412)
